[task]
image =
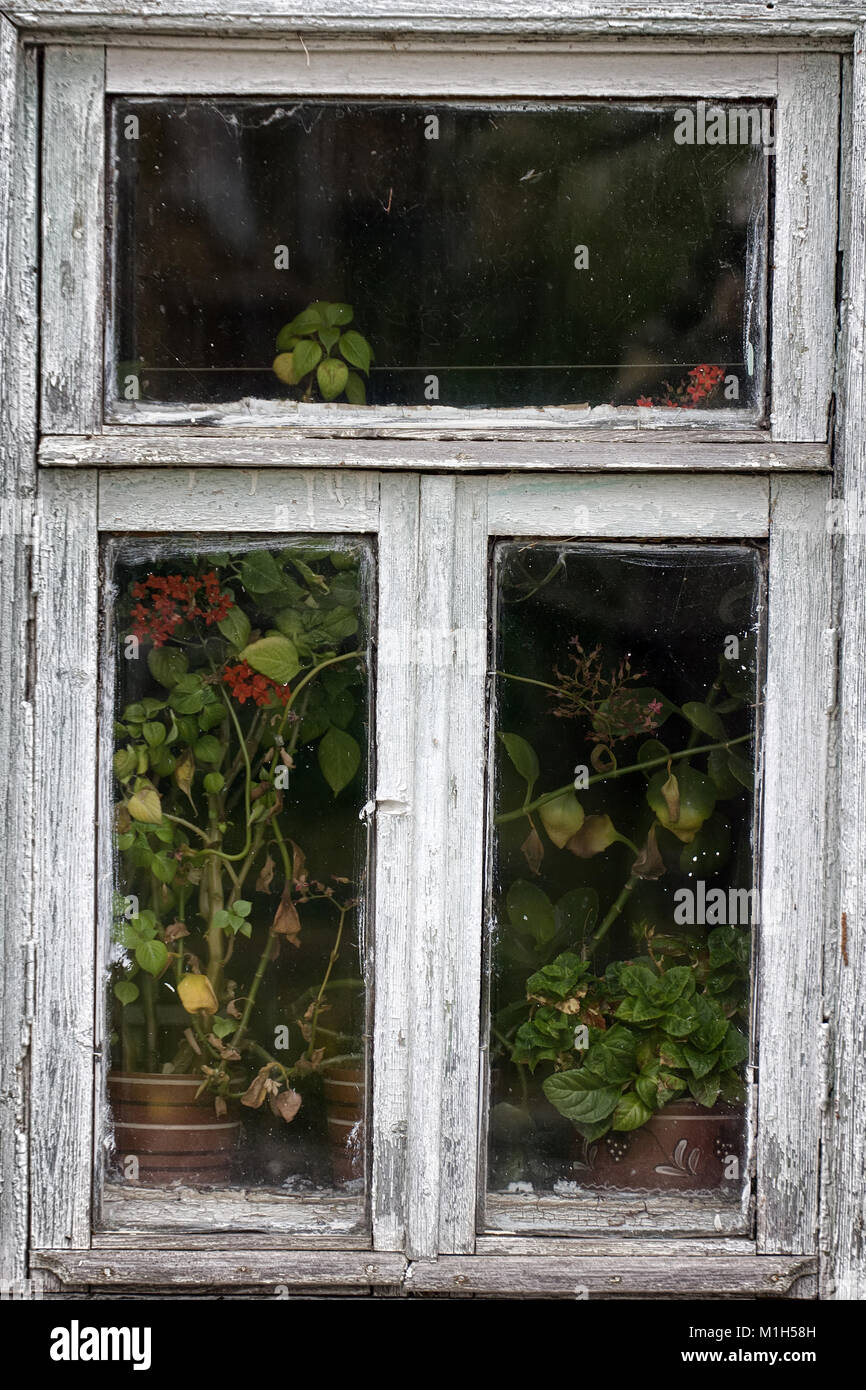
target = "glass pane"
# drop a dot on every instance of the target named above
(495, 254)
(622, 878)
(237, 999)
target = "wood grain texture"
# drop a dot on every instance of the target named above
(804, 245)
(185, 1268)
(843, 1216)
(218, 500)
(18, 242)
(499, 70)
(613, 1247)
(751, 19)
(627, 1213)
(463, 849)
(148, 1211)
(798, 710)
(624, 450)
(62, 1061)
(399, 558)
(72, 239)
(617, 506)
(577, 1276)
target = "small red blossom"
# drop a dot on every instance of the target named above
(247, 684)
(644, 400)
(167, 601)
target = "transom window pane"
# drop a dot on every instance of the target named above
(462, 253)
(238, 1006)
(622, 875)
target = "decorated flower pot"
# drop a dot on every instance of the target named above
(684, 1147)
(344, 1100)
(171, 1135)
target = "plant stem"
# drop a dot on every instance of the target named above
(620, 772)
(614, 911)
(335, 951)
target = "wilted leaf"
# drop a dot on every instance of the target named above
(649, 863)
(196, 994)
(257, 1090)
(595, 835)
(671, 792)
(266, 874)
(184, 771)
(533, 850)
(286, 920)
(285, 1105)
(220, 1107)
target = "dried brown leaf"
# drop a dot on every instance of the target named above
(286, 920)
(533, 851)
(286, 1105)
(266, 873)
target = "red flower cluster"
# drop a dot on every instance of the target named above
(246, 684)
(700, 383)
(166, 601)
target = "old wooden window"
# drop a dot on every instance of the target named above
(597, 407)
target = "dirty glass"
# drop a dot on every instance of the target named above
(236, 971)
(461, 253)
(622, 884)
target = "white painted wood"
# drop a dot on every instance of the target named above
(579, 1276)
(399, 553)
(625, 450)
(487, 70)
(843, 1217)
(128, 1217)
(18, 241)
(62, 1060)
(798, 709)
(421, 420)
(613, 1247)
(72, 239)
(804, 245)
(629, 1214)
(751, 19)
(213, 500)
(133, 1236)
(464, 699)
(606, 505)
(185, 1268)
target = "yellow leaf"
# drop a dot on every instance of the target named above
(196, 994)
(562, 818)
(145, 806)
(184, 772)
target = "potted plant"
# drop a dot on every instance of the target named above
(316, 350)
(641, 1050)
(247, 681)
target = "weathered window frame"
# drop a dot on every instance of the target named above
(448, 512)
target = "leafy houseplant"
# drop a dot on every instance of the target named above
(316, 348)
(616, 1036)
(239, 725)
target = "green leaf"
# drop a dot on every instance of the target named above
(356, 350)
(188, 696)
(329, 337)
(704, 718)
(653, 748)
(530, 912)
(723, 779)
(213, 783)
(154, 734)
(562, 818)
(208, 749)
(242, 907)
(152, 957)
(235, 627)
(223, 1026)
(309, 320)
(260, 573)
(166, 665)
(356, 391)
(337, 314)
(124, 763)
(332, 377)
(305, 357)
(286, 339)
(275, 657)
(742, 770)
(163, 866)
(705, 1089)
(524, 758)
(126, 991)
(339, 758)
(211, 716)
(570, 1093)
(630, 1113)
(576, 914)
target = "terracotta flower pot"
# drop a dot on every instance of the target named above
(172, 1136)
(684, 1147)
(344, 1101)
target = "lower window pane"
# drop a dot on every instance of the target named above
(238, 1009)
(622, 868)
